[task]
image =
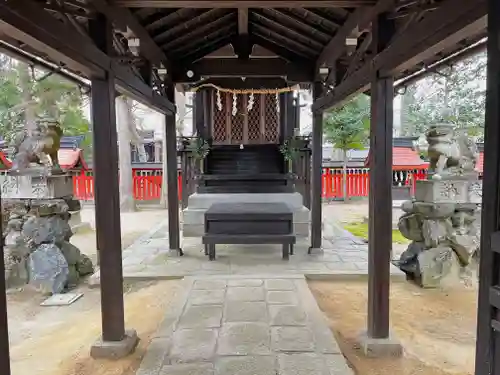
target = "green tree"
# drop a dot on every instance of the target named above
(347, 128)
(454, 94)
(26, 92)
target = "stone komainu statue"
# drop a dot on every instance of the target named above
(40, 148)
(450, 154)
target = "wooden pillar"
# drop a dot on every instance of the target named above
(316, 188)
(198, 114)
(297, 111)
(488, 336)
(172, 188)
(107, 204)
(289, 126)
(380, 198)
(4, 331)
(282, 117)
(208, 115)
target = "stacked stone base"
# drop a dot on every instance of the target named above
(442, 226)
(37, 235)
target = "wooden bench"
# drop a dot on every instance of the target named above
(248, 223)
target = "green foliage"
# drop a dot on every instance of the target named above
(291, 147)
(455, 94)
(347, 127)
(198, 147)
(25, 92)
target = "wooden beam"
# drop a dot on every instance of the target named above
(334, 49)
(243, 21)
(451, 25)
(243, 4)
(248, 83)
(27, 22)
(437, 32)
(487, 343)
(122, 16)
(272, 67)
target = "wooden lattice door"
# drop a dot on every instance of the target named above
(255, 124)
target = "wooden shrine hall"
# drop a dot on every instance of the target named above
(146, 48)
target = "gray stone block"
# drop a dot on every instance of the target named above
(155, 357)
(388, 347)
(193, 345)
(244, 339)
(209, 284)
(207, 297)
(279, 284)
(277, 297)
(245, 312)
(188, 369)
(287, 315)
(337, 365)
(250, 365)
(245, 282)
(208, 316)
(292, 339)
(115, 349)
(302, 364)
(248, 294)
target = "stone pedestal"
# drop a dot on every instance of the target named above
(37, 211)
(441, 223)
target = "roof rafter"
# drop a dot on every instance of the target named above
(149, 49)
(267, 43)
(444, 27)
(276, 26)
(27, 22)
(189, 24)
(288, 20)
(360, 17)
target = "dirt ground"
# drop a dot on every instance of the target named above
(63, 348)
(437, 328)
(56, 340)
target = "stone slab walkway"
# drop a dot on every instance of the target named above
(244, 326)
(343, 256)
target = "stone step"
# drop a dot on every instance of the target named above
(205, 200)
(197, 230)
(197, 215)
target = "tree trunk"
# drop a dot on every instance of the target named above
(124, 118)
(27, 95)
(344, 177)
(180, 102)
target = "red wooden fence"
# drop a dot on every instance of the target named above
(147, 184)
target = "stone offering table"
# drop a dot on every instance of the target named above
(249, 223)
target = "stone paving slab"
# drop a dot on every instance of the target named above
(249, 338)
(344, 256)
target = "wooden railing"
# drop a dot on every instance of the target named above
(147, 183)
